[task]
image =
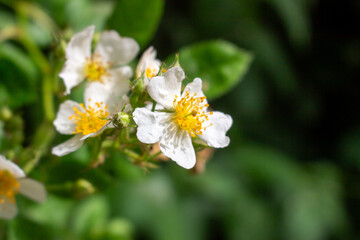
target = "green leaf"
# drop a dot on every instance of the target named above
(41, 36)
(138, 19)
(220, 64)
(19, 75)
(92, 12)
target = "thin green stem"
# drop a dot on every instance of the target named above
(133, 155)
(41, 61)
(42, 139)
(67, 186)
(155, 155)
(153, 106)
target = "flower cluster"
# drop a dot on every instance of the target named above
(136, 114)
(162, 109)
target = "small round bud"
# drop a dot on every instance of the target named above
(124, 119)
(119, 228)
(5, 114)
(83, 188)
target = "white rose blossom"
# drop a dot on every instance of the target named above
(105, 65)
(13, 181)
(148, 65)
(184, 115)
(89, 119)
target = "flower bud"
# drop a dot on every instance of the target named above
(83, 188)
(134, 100)
(5, 114)
(176, 62)
(139, 86)
(119, 228)
(124, 119)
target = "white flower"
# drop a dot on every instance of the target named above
(89, 119)
(111, 51)
(184, 115)
(148, 65)
(12, 182)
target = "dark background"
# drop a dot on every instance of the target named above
(301, 95)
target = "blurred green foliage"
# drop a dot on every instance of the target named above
(292, 169)
(221, 64)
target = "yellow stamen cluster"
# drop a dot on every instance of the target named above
(9, 186)
(190, 114)
(151, 72)
(91, 119)
(95, 69)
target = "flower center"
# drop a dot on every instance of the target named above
(190, 114)
(151, 72)
(95, 69)
(91, 119)
(9, 186)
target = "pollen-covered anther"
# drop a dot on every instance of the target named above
(96, 69)
(190, 114)
(9, 186)
(91, 119)
(151, 72)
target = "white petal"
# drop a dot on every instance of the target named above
(149, 130)
(157, 106)
(79, 47)
(149, 53)
(32, 189)
(11, 167)
(176, 144)
(148, 58)
(72, 73)
(77, 50)
(95, 92)
(164, 88)
(112, 97)
(194, 87)
(146, 81)
(118, 104)
(124, 72)
(126, 102)
(116, 49)
(62, 122)
(8, 210)
(215, 135)
(119, 84)
(69, 146)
